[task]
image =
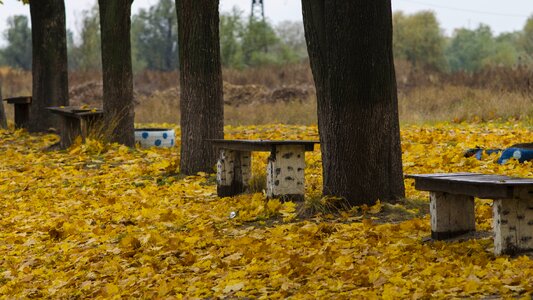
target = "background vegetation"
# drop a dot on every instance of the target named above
(471, 75)
(251, 42)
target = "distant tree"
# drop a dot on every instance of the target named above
(506, 50)
(473, 50)
(70, 49)
(251, 42)
(87, 56)
(350, 51)
(49, 62)
(155, 36)
(231, 32)
(469, 49)
(258, 41)
(292, 35)
(418, 39)
(201, 102)
(17, 53)
(117, 75)
(526, 39)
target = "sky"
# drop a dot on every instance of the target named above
(501, 16)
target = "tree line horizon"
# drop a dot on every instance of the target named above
(250, 42)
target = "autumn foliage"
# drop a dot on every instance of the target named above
(105, 221)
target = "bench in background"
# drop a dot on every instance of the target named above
(452, 207)
(285, 168)
(22, 110)
(77, 121)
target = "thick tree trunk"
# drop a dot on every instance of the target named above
(50, 63)
(202, 115)
(350, 50)
(115, 26)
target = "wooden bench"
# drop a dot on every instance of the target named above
(452, 207)
(22, 110)
(77, 121)
(285, 168)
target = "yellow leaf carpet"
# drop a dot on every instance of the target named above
(105, 221)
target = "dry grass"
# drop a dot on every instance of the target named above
(423, 98)
(419, 105)
(459, 103)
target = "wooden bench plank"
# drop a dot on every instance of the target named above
(260, 145)
(19, 100)
(488, 186)
(490, 179)
(75, 111)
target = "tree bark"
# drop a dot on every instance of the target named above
(117, 75)
(202, 115)
(49, 63)
(350, 51)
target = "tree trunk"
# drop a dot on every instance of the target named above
(202, 115)
(117, 77)
(350, 51)
(49, 64)
(3, 119)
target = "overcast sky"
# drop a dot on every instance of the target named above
(500, 15)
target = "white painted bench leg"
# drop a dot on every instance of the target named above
(513, 225)
(234, 169)
(285, 173)
(451, 215)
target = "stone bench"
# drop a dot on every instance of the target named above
(452, 207)
(77, 121)
(22, 110)
(285, 168)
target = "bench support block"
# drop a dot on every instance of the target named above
(69, 131)
(233, 172)
(285, 173)
(22, 115)
(513, 225)
(73, 127)
(451, 215)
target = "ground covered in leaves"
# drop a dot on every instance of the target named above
(107, 221)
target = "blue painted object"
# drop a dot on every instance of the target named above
(155, 137)
(519, 154)
(479, 153)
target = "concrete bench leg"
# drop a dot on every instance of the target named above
(285, 173)
(513, 225)
(451, 215)
(234, 169)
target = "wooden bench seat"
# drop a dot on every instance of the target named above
(22, 110)
(77, 121)
(452, 207)
(285, 168)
